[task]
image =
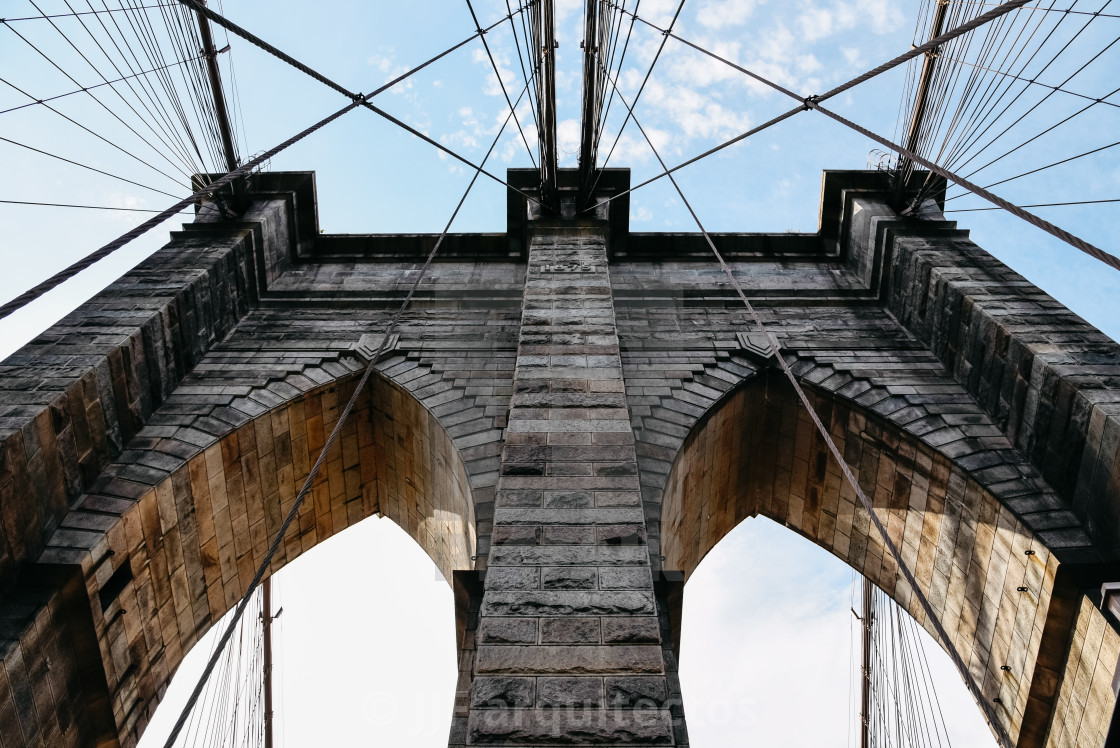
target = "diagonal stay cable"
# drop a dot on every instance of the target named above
(1031, 81)
(521, 59)
(159, 129)
(95, 134)
(1076, 242)
(99, 85)
(81, 13)
(84, 166)
(921, 49)
(1066, 11)
(1041, 168)
(501, 83)
(1036, 205)
(869, 507)
(906, 56)
(665, 38)
(73, 205)
(99, 102)
(63, 275)
(364, 100)
(813, 102)
(75, 268)
(1033, 138)
(621, 62)
(331, 439)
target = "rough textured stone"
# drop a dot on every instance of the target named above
(570, 630)
(570, 692)
(501, 692)
(558, 428)
(571, 727)
(553, 660)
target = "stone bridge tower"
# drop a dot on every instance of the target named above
(569, 417)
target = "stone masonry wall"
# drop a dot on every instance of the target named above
(562, 437)
(568, 644)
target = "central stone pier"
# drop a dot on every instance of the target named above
(569, 643)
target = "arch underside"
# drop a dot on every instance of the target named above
(188, 545)
(757, 453)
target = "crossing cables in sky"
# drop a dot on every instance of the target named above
(814, 102)
(361, 100)
(357, 100)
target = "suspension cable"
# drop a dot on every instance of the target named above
(72, 205)
(331, 439)
(95, 134)
(1065, 11)
(1093, 251)
(1040, 168)
(84, 166)
(665, 38)
(63, 275)
(102, 104)
(81, 13)
(365, 100)
(99, 85)
(868, 506)
(498, 76)
(813, 102)
(1032, 82)
(1036, 205)
(906, 56)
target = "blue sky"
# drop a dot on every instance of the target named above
(372, 177)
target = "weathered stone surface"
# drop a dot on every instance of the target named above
(514, 578)
(570, 630)
(507, 630)
(502, 692)
(630, 630)
(625, 579)
(568, 556)
(568, 578)
(622, 603)
(570, 692)
(567, 424)
(553, 660)
(571, 727)
(632, 692)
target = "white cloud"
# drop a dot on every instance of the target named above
(724, 13)
(852, 56)
(386, 63)
(816, 23)
(493, 88)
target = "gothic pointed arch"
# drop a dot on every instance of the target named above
(996, 586)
